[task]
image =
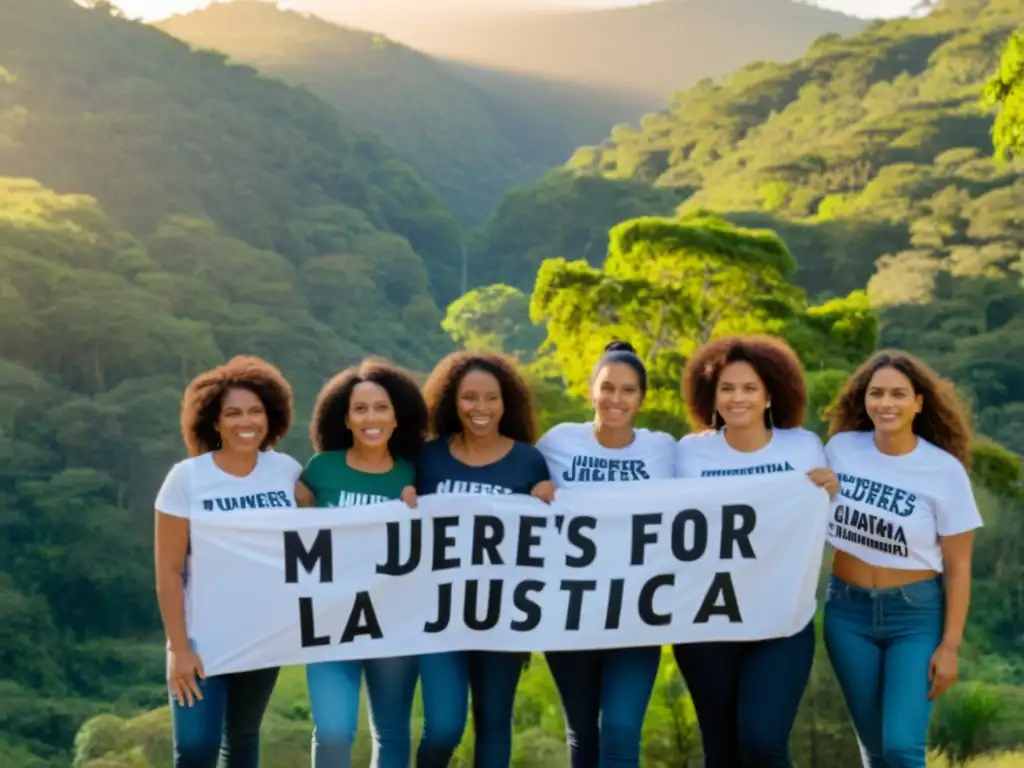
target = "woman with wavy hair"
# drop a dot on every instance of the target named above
(231, 417)
(903, 530)
(368, 426)
(484, 428)
(746, 397)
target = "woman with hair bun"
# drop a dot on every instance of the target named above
(903, 530)
(481, 414)
(368, 426)
(605, 693)
(746, 396)
(231, 417)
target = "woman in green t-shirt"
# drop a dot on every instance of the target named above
(368, 425)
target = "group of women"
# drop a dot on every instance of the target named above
(902, 521)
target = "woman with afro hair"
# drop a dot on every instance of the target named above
(605, 693)
(903, 531)
(231, 417)
(746, 398)
(482, 420)
(368, 426)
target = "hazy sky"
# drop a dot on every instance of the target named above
(158, 9)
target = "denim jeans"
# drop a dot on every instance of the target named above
(225, 723)
(446, 680)
(604, 696)
(880, 642)
(746, 695)
(334, 688)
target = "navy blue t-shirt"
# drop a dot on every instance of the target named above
(437, 471)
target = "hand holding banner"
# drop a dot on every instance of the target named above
(634, 564)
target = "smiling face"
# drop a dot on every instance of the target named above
(740, 396)
(616, 394)
(891, 402)
(242, 423)
(371, 415)
(479, 403)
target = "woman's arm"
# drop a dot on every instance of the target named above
(956, 554)
(170, 547)
(304, 497)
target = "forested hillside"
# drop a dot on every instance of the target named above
(161, 211)
(871, 156)
(472, 141)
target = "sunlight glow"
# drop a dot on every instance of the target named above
(151, 10)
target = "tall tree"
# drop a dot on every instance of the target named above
(1006, 89)
(669, 285)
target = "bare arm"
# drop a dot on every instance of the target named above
(303, 496)
(956, 554)
(170, 548)
(944, 668)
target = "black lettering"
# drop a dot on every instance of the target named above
(575, 589)
(645, 602)
(490, 620)
(521, 600)
(362, 620)
(737, 535)
(393, 565)
(642, 537)
(442, 541)
(614, 613)
(682, 552)
(321, 553)
(307, 629)
(586, 546)
(721, 586)
(528, 540)
(488, 531)
(444, 610)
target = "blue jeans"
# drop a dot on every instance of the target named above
(446, 680)
(604, 695)
(880, 642)
(746, 695)
(225, 723)
(334, 698)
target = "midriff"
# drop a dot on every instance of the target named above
(858, 573)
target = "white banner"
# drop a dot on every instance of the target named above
(649, 563)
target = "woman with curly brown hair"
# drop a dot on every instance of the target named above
(368, 426)
(481, 413)
(747, 395)
(231, 417)
(605, 692)
(903, 530)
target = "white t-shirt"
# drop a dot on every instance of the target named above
(197, 486)
(891, 510)
(575, 458)
(707, 454)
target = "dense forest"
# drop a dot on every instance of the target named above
(471, 140)
(163, 208)
(871, 156)
(473, 124)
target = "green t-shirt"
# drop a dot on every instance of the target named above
(336, 484)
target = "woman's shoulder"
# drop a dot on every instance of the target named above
(800, 436)
(282, 462)
(565, 432)
(655, 437)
